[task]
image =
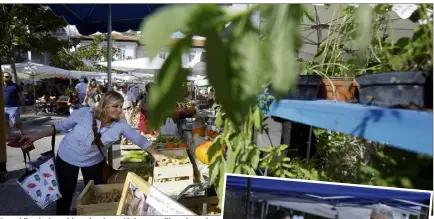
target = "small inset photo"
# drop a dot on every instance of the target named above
(254, 197)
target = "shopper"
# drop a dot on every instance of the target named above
(81, 89)
(13, 97)
(279, 214)
(143, 122)
(77, 150)
(381, 211)
(73, 102)
(101, 91)
(91, 92)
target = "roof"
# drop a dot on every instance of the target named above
(133, 38)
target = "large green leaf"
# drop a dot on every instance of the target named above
(157, 29)
(283, 20)
(364, 15)
(168, 89)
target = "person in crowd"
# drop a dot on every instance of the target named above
(211, 98)
(381, 211)
(91, 92)
(101, 91)
(77, 149)
(279, 214)
(143, 122)
(81, 89)
(129, 100)
(73, 102)
(136, 92)
(13, 97)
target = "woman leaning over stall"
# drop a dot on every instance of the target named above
(77, 150)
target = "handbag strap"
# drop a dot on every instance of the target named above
(53, 142)
(25, 160)
(97, 137)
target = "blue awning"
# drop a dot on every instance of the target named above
(407, 129)
(92, 18)
(326, 192)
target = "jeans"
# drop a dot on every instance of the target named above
(67, 176)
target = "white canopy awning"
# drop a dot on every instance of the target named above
(144, 65)
(31, 70)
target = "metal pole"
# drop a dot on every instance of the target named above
(248, 197)
(109, 68)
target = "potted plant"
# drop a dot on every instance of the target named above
(403, 69)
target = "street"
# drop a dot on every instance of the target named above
(18, 203)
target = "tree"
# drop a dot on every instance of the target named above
(27, 27)
(76, 60)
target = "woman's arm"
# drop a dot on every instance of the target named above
(87, 96)
(140, 141)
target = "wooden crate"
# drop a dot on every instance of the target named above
(102, 209)
(200, 205)
(173, 187)
(130, 147)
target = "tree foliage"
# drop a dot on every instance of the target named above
(25, 27)
(84, 58)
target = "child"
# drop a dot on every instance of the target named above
(73, 101)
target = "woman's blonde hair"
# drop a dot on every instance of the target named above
(109, 98)
(89, 85)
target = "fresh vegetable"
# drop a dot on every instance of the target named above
(174, 161)
(198, 132)
(201, 152)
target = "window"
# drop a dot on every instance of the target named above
(162, 55)
(122, 53)
(203, 57)
(191, 56)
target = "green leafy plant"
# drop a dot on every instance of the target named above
(238, 67)
(26, 27)
(75, 60)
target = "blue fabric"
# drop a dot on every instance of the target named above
(92, 18)
(10, 94)
(77, 147)
(12, 115)
(407, 129)
(363, 195)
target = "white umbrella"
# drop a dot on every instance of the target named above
(36, 71)
(145, 65)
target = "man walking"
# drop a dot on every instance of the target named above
(81, 89)
(13, 96)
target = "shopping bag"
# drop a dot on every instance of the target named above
(40, 181)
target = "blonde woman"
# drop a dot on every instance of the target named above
(77, 150)
(91, 93)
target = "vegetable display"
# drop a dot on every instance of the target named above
(174, 161)
(112, 196)
(136, 157)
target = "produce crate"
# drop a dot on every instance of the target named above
(86, 200)
(173, 179)
(130, 147)
(202, 205)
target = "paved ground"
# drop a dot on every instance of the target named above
(16, 201)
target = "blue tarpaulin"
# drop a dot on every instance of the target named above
(407, 129)
(92, 18)
(330, 192)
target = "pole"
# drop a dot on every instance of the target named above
(248, 197)
(3, 155)
(109, 68)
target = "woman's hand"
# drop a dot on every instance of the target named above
(28, 140)
(160, 158)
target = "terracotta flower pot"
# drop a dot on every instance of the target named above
(346, 90)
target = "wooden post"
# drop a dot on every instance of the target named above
(3, 156)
